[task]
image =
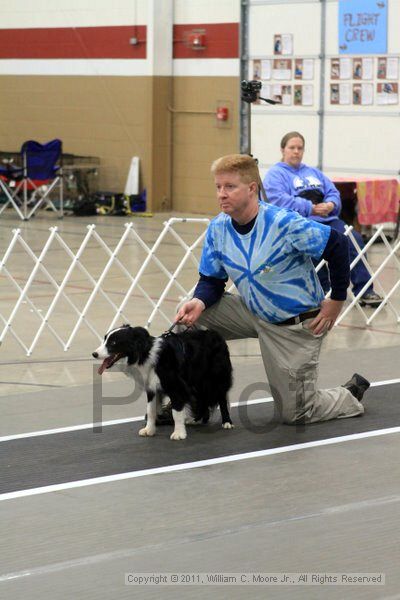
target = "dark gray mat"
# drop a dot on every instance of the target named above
(59, 458)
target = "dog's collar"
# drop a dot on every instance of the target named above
(170, 330)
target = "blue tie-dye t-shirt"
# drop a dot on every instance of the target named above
(271, 265)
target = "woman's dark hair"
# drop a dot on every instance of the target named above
(289, 136)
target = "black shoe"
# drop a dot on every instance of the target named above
(371, 299)
(357, 385)
(164, 417)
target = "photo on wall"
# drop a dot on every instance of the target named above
(357, 68)
(341, 68)
(282, 68)
(356, 93)
(388, 67)
(304, 68)
(256, 74)
(363, 68)
(381, 74)
(298, 95)
(335, 68)
(392, 67)
(335, 94)
(303, 95)
(286, 95)
(363, 93)
(283, 43)
(388, 93)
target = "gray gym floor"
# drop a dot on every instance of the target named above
(80, 509)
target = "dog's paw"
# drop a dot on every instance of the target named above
(228, 425)
(147, 431)
(178, 435)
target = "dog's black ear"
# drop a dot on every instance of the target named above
(125, 325)
(139, 343)
(132, 351)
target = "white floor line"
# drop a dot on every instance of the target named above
(193, 465)
(387, 382)
(19, 436)
(255, 401)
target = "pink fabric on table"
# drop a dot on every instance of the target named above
(378, 201)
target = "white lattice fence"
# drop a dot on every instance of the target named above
(67, 292)
(64, 291)
(389, 260)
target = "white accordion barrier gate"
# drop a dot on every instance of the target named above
(137, 262)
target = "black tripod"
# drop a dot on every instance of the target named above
(251, 93)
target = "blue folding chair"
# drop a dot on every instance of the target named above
(32, 186)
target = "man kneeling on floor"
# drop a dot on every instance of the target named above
(267, 252)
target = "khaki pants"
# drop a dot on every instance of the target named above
(290, 355)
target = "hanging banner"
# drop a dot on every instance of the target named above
(363, 26)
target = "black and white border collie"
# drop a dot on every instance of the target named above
(193, 368)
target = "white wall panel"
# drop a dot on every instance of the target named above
(94, 67)
(362, 143)
(268, 130)
(270, 123)
(206, 11)
(72, 13)
(394, 26)
(332, 29)
(196, 67)
(159, 38)
(302, 20)
(206, 67)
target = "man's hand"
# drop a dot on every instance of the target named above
(326, 318)
(323, 209)
(190, 312)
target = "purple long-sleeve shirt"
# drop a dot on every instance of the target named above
(284, 183)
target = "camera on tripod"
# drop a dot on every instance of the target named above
(250, 90)
(251, 93)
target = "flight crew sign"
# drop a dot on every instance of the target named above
(363, 26)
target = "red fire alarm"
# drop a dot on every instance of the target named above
(197, 40)
(222, 113)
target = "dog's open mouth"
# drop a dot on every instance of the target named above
(109, 362)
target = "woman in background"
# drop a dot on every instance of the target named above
(296, 186)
